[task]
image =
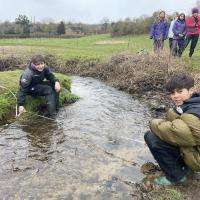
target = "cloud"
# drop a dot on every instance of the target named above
(89, 11)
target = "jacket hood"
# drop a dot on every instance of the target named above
(32, 67)
(181, 21)
(192, 105)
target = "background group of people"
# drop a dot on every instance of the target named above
(180, 32)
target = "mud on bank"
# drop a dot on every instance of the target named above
(142, 75)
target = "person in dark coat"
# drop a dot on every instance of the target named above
(32, 83)
(179, 30)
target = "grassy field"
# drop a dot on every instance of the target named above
(97, 46)
(90, 47)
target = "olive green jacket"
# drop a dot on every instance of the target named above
(181, 130)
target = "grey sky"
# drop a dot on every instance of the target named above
(88, 11)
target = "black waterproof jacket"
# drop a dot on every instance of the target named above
(192, 105)
(30, 78)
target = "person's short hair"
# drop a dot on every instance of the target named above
(179, 81)
(37, 59)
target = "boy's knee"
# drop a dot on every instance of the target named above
(152, 140)
(48, 90)
(147, 136)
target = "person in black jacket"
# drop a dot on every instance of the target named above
(32, 83)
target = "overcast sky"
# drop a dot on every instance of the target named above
(88, 11)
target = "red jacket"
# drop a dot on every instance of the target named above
(192, 26)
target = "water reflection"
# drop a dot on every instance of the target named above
(39, 136)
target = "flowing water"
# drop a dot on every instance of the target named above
(93, 150)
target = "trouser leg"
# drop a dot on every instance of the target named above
(50, 95)
(155, 44)
(187, 41)
(170, 43)
(167, 156)
(180, 47)
(51, 104)
(57, 94)
(158, 45)
(193, 44)
(174, 48)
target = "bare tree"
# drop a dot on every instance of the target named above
(24, 22)
(61, 28)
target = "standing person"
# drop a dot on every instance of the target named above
(171, 34)
(175, 141)
(159, 32)
(179, 30)
(193, 30)
(32, 83)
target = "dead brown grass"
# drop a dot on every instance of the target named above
(11, 62)
(140, 74)
(136, 74)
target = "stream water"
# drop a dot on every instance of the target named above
(93, 150)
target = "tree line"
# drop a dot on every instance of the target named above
(24, 27)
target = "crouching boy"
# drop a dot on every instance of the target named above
(175, 141)
(32, 83)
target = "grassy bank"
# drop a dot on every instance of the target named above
(9, 84)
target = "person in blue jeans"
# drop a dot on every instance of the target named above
(175, 141)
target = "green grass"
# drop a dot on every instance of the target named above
(90, 47)
(169, 194)
(9, 83)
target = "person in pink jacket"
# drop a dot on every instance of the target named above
(193, 30)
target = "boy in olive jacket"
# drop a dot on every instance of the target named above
(175, 141)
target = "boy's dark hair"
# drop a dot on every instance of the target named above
(179, 81)
(37, 59)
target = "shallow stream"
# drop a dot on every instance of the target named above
(93, 150)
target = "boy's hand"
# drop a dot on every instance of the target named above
(22, 109)
(57, 86)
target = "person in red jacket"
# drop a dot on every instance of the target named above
(193, 30)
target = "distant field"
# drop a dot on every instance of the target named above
(98, 46)
(90, 47)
